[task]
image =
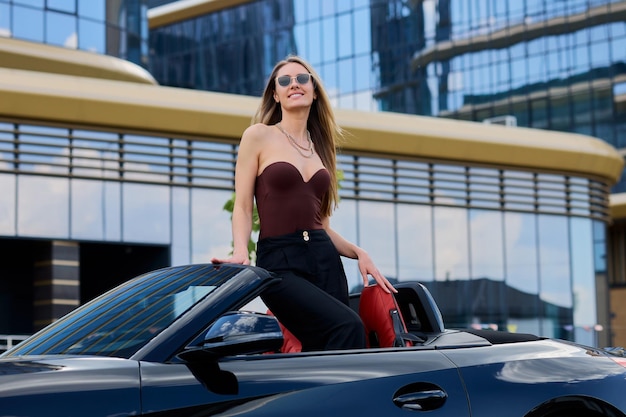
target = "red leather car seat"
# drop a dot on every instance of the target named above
(381, 316)
(384, 325)
(291, 343)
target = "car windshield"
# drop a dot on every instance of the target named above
(124, 319)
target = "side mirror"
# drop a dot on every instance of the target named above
(237, 333)
(240, 333)
(234, 333)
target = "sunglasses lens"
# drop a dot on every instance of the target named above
(284, 80)
(302, 78)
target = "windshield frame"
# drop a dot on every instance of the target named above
(152, 306)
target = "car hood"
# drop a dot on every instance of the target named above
(69, 386)
(54, 374)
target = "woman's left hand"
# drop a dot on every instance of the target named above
(367, 267)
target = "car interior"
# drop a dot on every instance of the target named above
(391, 320)
(408, 318)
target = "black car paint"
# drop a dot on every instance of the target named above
(513, 376)
(69, 386)
(323, 381)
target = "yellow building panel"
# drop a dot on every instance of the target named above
(186, 9)
(457, 140)
(23, 55)
(617, 205)
(199, 114)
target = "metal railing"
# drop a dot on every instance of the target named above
(8, 341)
(28, 149)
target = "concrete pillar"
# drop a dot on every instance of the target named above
(56, 282)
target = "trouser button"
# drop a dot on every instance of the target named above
(305, 236)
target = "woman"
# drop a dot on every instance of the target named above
(286, 161)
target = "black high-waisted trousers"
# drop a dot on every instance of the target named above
(311, 299)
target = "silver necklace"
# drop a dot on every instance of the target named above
(296, 145)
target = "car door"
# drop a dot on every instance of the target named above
(384, 382)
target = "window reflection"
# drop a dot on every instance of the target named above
(7, 204)
(520, 230)
(5, 22)
(112, 211)
(344, 221)
(554, 269)
(35, 3)
(146, 158)
(345, 38)
(521, 252)
(451, 247)
(91, 36)
(211, 234)
(554, 259)
(377, 231)
(329, 47)
(415, 244)
(6, 135)
(57, 23)
(43, 149)
(487, 259)
(450, 185)
(487, 268)
(87, 209)
(43, 206)
(181, 233)
(583, 280)
(28, 24)
(599, 243)
(61, 30)
(93, 9)
(68, 6)
(146, 213)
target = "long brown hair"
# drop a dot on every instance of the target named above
(325, 132)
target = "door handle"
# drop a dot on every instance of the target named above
(421, 400)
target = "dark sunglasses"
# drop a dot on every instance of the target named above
(285, 80)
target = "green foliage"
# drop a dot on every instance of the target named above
(256, 226)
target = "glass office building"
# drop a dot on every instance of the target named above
(558, 65)
(511, 248)
(113, 27)
(104, 179)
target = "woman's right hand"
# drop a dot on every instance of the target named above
(235, 259)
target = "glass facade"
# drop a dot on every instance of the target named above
(498, 247)
(558, 65)
(111, 187)
(155, 3)
(113, 27)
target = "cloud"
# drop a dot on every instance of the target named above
(71, 41)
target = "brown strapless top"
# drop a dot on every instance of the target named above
(286, 203)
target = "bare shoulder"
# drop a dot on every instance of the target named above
(257, 132)
(256, 138)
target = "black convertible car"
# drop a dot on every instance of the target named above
(176, 342)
